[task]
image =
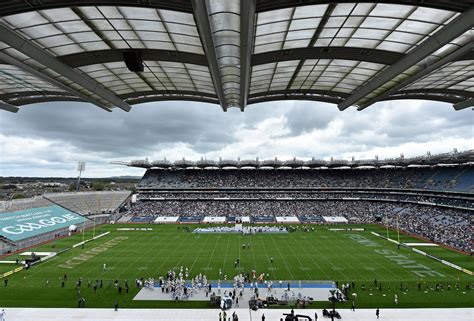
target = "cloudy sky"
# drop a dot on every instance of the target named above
(48, 139)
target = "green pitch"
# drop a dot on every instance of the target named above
(316, 255)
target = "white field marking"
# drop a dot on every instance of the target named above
(207, 268)
(199, 254)
(266, 254)
(376, 262)
(297, 257)
(37, 253)
(283, 258)
(212, 253)
(132, 245)
(128, 247)
(184, 255)
(304, 268)
(142, 268)
(92, 253)
(311, 257)
(272, 268)
(421, 244)
(338, 268)
(226, 251)
(369, 268)
(166, 261)
(329, 262)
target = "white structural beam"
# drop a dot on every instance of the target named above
(201, 17)
(16, 41)
(454, 29)
(8, 107)
(31, 70)
(430, 68)
(464, 104)
(247, 35)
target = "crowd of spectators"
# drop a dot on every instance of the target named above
(356, 194)
(442, 225)
(441, 199)
(461, 179)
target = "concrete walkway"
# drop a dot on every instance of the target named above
(316, 292)
(36, 314)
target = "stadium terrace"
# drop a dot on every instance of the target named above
(241, 239)
(262, 238)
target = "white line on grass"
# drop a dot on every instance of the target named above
(283, 259)
(330, 263)
(225, 255)
(268, 258)
(298, 259)
(200, 251)
(314, 260)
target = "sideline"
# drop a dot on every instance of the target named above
(94, 238)
(407, 245)
(51, 255)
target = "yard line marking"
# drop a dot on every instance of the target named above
(330, 263)
(200, 251)
(312, 259)
(283, 259)
(298, 259)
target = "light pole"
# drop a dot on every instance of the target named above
(81, 166)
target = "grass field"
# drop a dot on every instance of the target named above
(319, 255)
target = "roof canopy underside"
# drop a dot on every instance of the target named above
(236, 53)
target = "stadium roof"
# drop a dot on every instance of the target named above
(235, 53)
(452, 158)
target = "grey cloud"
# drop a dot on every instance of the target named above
(308, 116)
(76, 130)
(91, 129)
(394, 124)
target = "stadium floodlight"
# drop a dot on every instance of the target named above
(81, 167)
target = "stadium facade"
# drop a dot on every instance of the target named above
(422, 195)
